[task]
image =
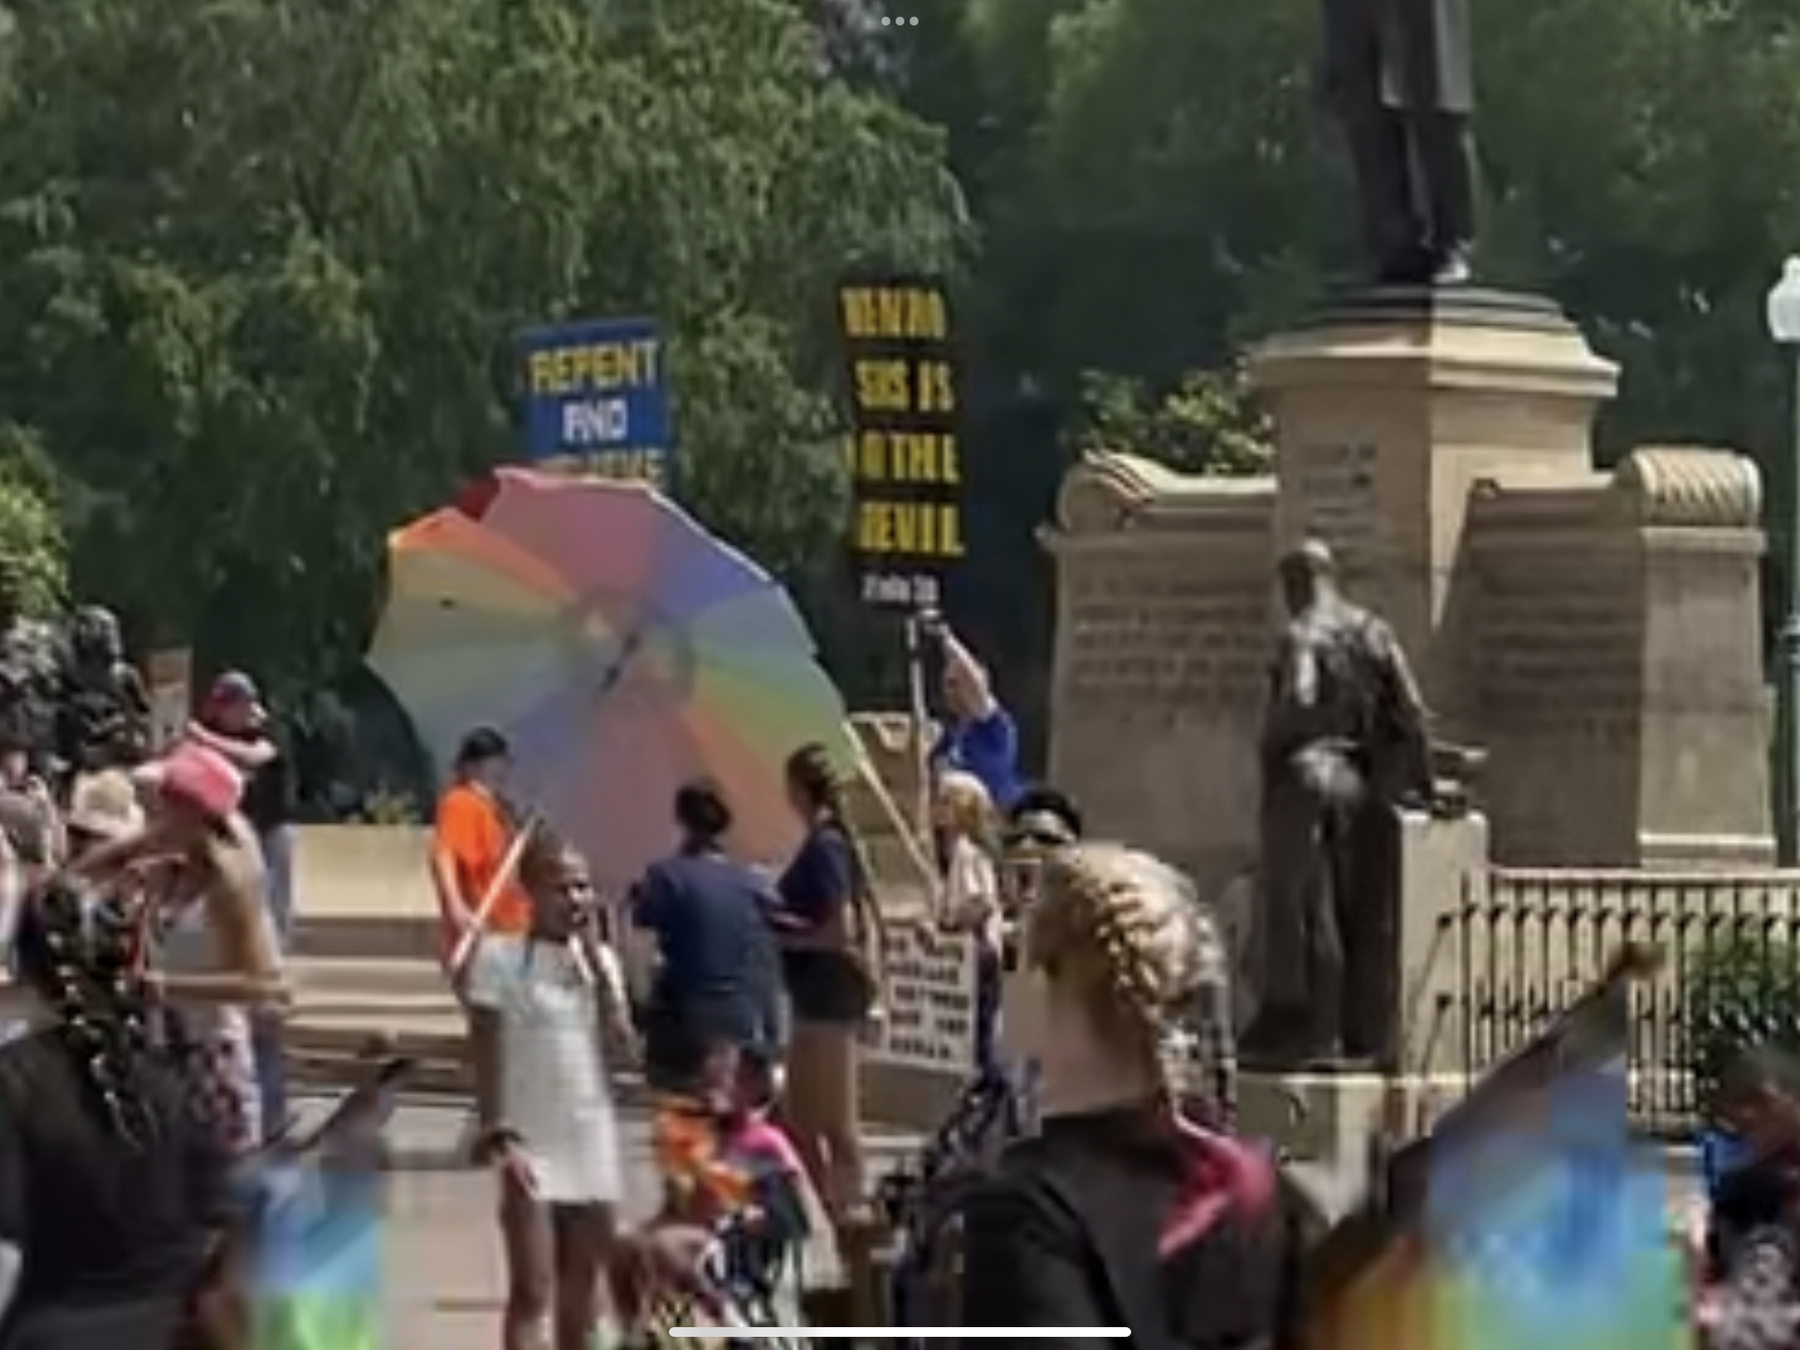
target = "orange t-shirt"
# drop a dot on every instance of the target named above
(472, 831)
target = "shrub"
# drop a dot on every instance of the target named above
(1739, 991)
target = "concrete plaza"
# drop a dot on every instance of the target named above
(444, 1276)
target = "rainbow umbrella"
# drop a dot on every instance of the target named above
(620, 647)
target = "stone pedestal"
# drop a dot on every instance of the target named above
(1390, 408)
(1325, 1123)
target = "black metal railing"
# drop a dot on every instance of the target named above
(1528, 943)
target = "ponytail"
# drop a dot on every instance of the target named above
(810, 770)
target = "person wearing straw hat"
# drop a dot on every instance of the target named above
(103, 808)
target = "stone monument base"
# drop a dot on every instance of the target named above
(1325, 1116)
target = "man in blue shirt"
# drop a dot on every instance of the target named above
(979, 736)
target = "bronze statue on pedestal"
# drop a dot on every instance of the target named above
(1399, 76)
(1344, 744)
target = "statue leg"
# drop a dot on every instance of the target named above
(1333, 938)
(1293, 954)
(1381, 150)
(1447, 152)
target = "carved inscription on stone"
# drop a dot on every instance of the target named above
(1560, 647)
(1333, 488)
(1149, 636)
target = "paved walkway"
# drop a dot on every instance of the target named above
(444, 1278)
(443, 1256)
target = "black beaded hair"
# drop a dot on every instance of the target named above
(77, 951)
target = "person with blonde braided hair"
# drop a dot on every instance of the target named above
(1121, 1211)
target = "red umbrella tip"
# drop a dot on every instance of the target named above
(476, 497)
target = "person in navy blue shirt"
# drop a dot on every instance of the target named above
(979, 735)
(827, 922)
(719, 979)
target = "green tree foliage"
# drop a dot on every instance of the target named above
(1158, 184)
(31, 540)
(261, 262)
(1176, 188)
(1206, 422)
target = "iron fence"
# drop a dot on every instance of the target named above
(1526, 944)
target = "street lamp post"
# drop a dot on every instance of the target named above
(1784, 327)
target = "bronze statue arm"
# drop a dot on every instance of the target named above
(1414, 722)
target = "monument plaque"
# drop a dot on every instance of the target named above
(1145, 639)
(1567, 656)
(1335, 483)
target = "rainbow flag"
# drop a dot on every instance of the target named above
(316, 1275)
(1529, 1219)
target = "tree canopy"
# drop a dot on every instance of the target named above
(258, 281)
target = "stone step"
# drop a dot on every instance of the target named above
(330, 976)
(402, 935)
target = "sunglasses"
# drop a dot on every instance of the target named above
(1038, 838)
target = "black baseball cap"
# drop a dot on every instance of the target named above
(480, 746)
(1043, 815)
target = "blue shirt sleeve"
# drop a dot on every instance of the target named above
(650, 900)
(819, 880)
(990, 750)
(994, 738)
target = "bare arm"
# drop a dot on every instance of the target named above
(221, 987)
(960, 660)
(248, 966)
(244, 754)
(446, 881)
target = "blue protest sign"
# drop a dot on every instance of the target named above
(597, 398)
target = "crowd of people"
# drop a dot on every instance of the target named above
(1102, 1093)
(1096, 1173)
(141, 929)
(1100, 995)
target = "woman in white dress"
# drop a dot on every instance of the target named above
(560, 1001)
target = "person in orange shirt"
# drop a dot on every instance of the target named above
(474, 834)
(471, 845)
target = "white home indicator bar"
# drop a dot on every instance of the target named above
(901, 1333)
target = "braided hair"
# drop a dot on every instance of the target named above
(77, 949)
(816, 780)
(1120, 931)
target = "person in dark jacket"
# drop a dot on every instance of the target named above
(1122, 1212)
(112, 1191)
